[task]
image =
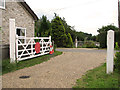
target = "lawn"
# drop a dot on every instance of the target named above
(97, 78)
(8, 67)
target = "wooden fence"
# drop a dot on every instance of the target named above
(25, 47)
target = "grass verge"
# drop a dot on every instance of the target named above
(97, 78)
(8, 67)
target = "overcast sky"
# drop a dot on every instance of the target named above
(85, 15)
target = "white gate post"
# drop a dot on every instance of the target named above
(76, 42)
(50, 40)
(110, 51)
(12, 35)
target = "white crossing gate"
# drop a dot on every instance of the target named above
(26, 47)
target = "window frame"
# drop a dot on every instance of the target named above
(3, 7)
(22, 36)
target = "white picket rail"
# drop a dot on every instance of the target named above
(26, 49)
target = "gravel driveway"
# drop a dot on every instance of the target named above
(59, 72)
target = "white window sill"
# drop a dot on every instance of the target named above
(2, 7)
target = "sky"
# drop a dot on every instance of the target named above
(85, 15)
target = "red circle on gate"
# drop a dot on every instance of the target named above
(37, 47)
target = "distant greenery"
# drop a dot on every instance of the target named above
(9, 67)
(59, 29)
(97, 78)
(90, 44)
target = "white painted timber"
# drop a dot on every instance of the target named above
(76, 43)
(110, 51)
(12, 36)
(27, 50)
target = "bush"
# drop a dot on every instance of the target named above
(70, 41)
(102, 37)
(55, 46)
(117, 61)
(116, 46)
(89, 44)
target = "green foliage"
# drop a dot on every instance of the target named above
(116, 46)
(107, 28)
(97, 78)
(102, 37)
(89, 44)
(58, 32)
(59, 29)
(117, 61)
(8, 67)
(80, 35)
(42, 27)
(70, 41)
(117, 37)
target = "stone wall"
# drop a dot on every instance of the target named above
(22, 18)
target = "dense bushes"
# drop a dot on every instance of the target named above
(70, 41)
(103, 39)
(102, 36)
(117, 61)
(90, 44)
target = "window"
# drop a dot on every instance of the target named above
(22, 33)
(2, 4)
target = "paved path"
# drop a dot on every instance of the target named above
(59, 72)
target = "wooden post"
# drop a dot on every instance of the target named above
(50, 40)
(16, 47)
(76, 42)
(12, 36)
(31, 46)
(110, 51)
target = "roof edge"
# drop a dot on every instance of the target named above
(26, 6)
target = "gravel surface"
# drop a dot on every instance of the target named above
(59, 72)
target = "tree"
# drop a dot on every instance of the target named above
(102, 36)
(107, 28)
(70, 41)
(43, 27)
(58, 32)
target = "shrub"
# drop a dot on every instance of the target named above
(55, 46)
(70, 41)
(102, 37)
(116, 46)
(117, 61)
(89, 44)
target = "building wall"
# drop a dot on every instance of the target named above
(22, 18)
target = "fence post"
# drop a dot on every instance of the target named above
(76, 42)
(50, 40)
(42, 45)
(12, 36)
(110, 51)
(31, 46)
(16, 47)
